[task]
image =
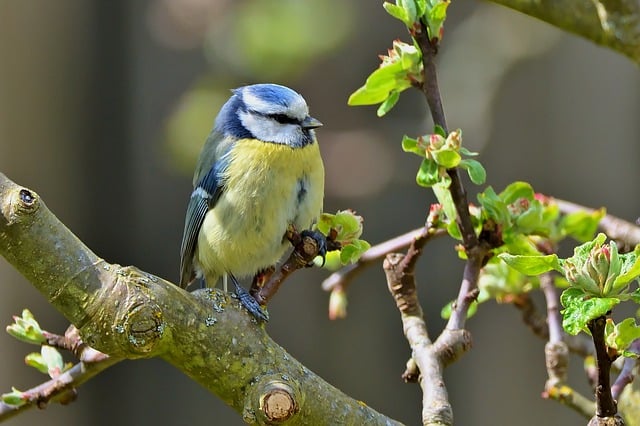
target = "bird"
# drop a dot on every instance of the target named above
(259, 174)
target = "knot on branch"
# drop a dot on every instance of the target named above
(273, 400)
(557, 362)
(125, 318)
(402, 284)
(21, 202)
(452, 344)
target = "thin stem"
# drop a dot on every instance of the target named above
(556, 332)
(626, 374)
(431, 92)
(60, 389)
(466, 295)
(343, 277)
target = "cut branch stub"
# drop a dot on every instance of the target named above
(273, 400)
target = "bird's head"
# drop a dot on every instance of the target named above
(268, 112)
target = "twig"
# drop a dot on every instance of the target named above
(556, 332)
(476, 252)
(626, 374)
(72, 342)
(344, 276)
(60, 389)
(431, 92)
(568, 396)
(556, 353)
(305, 249)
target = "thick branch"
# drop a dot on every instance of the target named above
(127, 313)
(611, 23)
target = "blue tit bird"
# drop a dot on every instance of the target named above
(259, 173)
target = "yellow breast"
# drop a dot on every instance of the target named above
(267, 188)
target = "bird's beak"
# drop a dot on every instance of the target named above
(311, 123)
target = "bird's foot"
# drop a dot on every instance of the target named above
(249, 302)
(321, 242)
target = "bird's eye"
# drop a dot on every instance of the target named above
(284, 119)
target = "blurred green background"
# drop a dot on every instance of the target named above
(104, 106)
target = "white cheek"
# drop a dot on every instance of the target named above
(266, 129)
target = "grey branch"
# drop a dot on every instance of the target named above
(128, 313)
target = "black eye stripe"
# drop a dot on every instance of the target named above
(284, 119)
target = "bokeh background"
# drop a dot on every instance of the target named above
(104, 107)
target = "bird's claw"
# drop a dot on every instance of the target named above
(249, 302)
(320, 240)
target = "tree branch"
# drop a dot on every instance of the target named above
(343, 277)
(60, 389)
(127, 313)
(611, 23)
(436, 408)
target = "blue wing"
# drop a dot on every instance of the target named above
(208, 187)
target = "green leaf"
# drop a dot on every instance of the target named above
(517, 190)
(347, 224)
(494, 207)
(476, 171)
(396, 11)
(388, 103)
(26, 329)
(439, 130)
(442, 193)
(370, 95)
(581, 252)
(331, 261)
(630, 269)
(53, 359)
(353, 251)
(413, 146)
(410, 9)
(35, 360)
(446, 158)
(581, 225)
(435, 18)
(531, 219)
(581, 308)
(518, 244)
(620, 336)
(465, 151)
(421, 7)
(428, 174)
(532, 265)
(453, 230)
(16, 398)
